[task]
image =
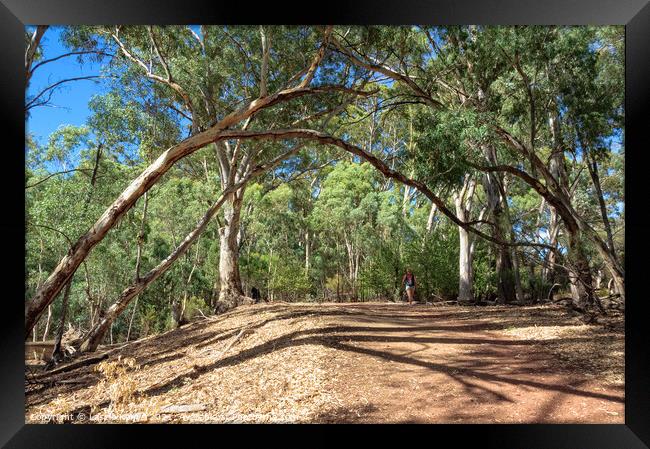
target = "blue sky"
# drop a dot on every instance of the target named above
(69, 104)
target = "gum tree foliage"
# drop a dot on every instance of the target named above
(534, 115)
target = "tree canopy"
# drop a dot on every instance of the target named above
(318, 163)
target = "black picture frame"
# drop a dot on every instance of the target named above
(634, 14)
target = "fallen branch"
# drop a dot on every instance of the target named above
(73, 365)
(79, 363)
(232, 342)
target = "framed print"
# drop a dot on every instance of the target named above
(373, 213)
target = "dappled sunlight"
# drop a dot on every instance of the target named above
(353, 363)
(331, 223)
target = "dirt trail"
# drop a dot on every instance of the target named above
(366, 362)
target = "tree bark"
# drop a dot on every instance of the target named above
(30, 52)
(463, 202)
(464, 267)
(579, 271)
(519, 290)
(141, 236)
(135, 308)
(307, 253)
(57, 353)
(264, 71)
(593, 172)
(548, 272)
(230, 290)
(580, 276)
(432, 214)
(47, 322)
(497, 205)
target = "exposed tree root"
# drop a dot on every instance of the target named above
(228, 302)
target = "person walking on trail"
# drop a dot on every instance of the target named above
(409, 281)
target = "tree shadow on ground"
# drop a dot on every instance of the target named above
(478, 363)
(342, 342)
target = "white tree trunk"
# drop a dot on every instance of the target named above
(432, 214)
(463, 202)
(464, 267)
(230, 289)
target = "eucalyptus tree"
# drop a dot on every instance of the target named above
(410, 59)
(503, 112)
(505, 76)
(559, 69)
(92, 159)
(279, 240)
(95, 336)
(211, 101)
(346, 213)
(594, 117)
